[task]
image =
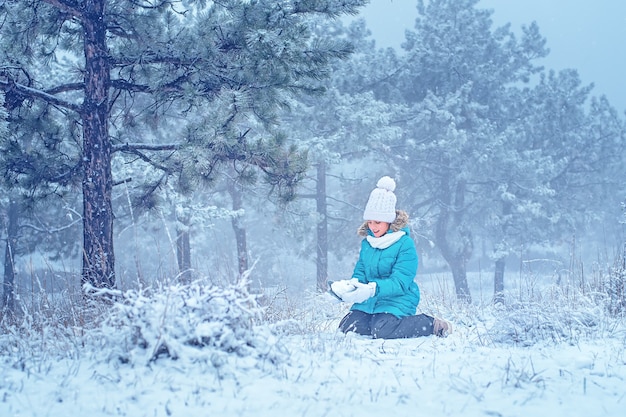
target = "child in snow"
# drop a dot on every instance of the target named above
(382, 289)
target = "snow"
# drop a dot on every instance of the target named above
(315, 370)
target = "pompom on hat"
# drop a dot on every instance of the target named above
(381, 206)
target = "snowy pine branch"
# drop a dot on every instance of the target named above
(27, 92)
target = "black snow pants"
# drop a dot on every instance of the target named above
(387, 326)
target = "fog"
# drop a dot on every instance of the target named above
(587, 36)
(551, 158)
(189, 275)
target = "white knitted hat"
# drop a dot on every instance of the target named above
(381, 205)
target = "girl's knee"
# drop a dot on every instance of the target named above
(356, 321)
(384, 326)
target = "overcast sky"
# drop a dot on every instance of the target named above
(589, 36)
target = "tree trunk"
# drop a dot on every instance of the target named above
(454, 239)
(183, 253)
(8, 286)
(240, 231)
(321, 262)
(500, 249)
(498, 281)
(458, 266)
(98, 255)
(459, 273)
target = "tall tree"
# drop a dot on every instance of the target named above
(455, 75)
(176, 56)
(562, 159)
(486, 153)
(341, 127)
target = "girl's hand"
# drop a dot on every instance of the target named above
(341, 288)
(361, 292)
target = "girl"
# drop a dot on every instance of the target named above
(382, 289)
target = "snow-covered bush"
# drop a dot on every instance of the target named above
(196, 321)
(528, 323)
(566, 312)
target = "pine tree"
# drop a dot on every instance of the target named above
(343, 126)
(455, 75)
(125, 66)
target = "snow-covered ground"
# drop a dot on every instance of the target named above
(492, 364)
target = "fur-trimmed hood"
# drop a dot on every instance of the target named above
(401, 221)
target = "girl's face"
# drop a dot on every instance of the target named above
(378, 228)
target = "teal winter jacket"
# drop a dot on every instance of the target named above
(393, 270)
